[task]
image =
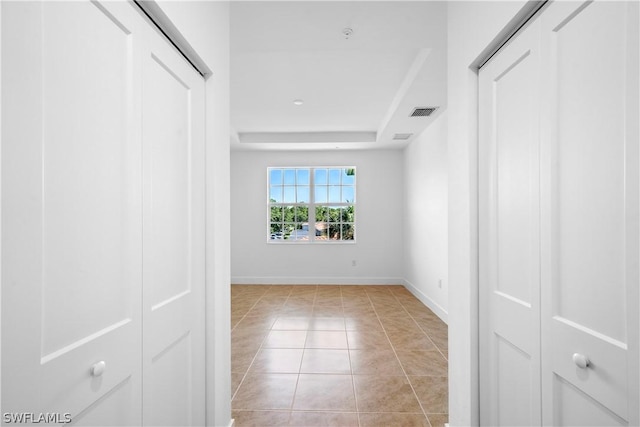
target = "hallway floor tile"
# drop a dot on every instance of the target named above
(306, 355)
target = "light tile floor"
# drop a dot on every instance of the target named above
(336, 356)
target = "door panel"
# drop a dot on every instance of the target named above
(90, 243)
(78, 215)
(590, 199)
(173, 265)
(575, 408)
(171, 378)
(606, 379)
(112, 409)
(589, 211)
(103, 217)
(91, 211)
(514, 385)
(168, 247)
(509, 230)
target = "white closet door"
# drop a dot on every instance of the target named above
(590, 213)
(103, 217)
(509, 235)
(173, 246)
(72, 212)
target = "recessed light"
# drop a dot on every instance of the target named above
(298, 101)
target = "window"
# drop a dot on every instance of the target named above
(311, 204)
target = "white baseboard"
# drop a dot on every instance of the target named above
(286, 280)
(435, 307)
(232, 422)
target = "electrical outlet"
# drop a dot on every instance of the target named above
(440, 283)
(353, 263)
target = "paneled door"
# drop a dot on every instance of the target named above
(590, 213)
(510, 229)
(103, 218)
(559, 220)
(173, 244)
(71, 212)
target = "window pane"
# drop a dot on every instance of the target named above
(303, 176)
(320, 177)
(288, 229)
(289, 194)
(335, 214)
(348, 194)
(322, 230)
(349, 177)
(303, 194)
(275, 194)
(289, 176)
(302, 214)
(348, 232)
(334, 232)
(322, 213)
(276, 231)
(348, 214)
(276, 213)
(321, 194)
(334, 176)
(289, 214)
(334, 194)
(275, 176)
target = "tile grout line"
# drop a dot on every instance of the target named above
(255, 355)
(436, 347)
(295, 389)
(393, 347)
(353, 378)
(257, 351)
(247, 313)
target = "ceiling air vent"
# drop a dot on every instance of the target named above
(402, 136)
(423, 111)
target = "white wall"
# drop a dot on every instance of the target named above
(472, 26)
(425, 217)
(205, 26)
(377, 252)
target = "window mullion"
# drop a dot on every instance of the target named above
(312, 206)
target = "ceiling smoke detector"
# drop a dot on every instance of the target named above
(423, 111)
(347, 32)
(402, 136)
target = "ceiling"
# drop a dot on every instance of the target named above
(358, 90)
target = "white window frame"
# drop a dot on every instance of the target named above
(312, 204)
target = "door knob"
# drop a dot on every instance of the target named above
(581, 360)
(98, 368)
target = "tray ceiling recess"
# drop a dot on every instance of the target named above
(324, 75)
